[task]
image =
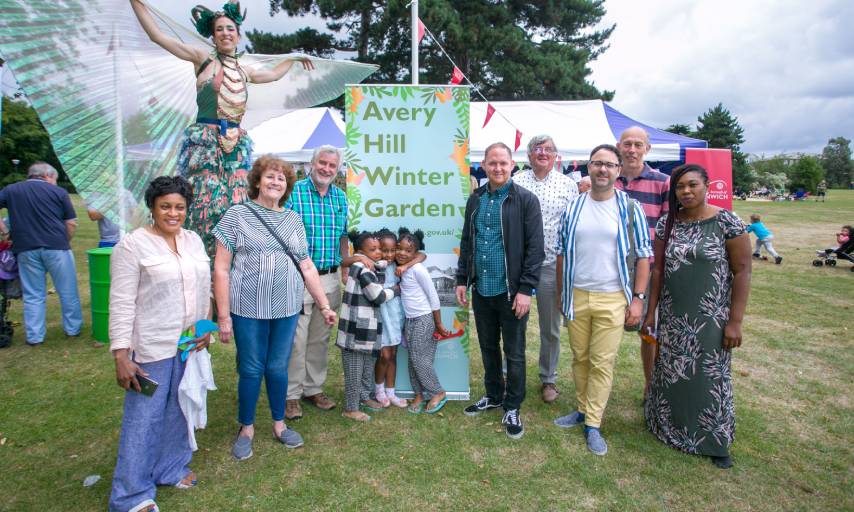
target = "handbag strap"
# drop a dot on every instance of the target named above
(278, 239)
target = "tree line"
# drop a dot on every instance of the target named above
(721, 129)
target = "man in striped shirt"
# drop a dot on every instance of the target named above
(323, 208)
(597, 294)
(650, 188)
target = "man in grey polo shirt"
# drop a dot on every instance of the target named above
(555, 191)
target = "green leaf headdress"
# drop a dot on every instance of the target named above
(203, 17)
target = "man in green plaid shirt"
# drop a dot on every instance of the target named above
(323, 208)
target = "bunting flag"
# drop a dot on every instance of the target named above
(457, 76)
(420, 30)
(489, 111)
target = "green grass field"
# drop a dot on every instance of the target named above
(60, 414)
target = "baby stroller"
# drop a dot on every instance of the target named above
(10, 288)
(829, 257)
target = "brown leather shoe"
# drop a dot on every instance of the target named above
(550, 393)
(293, 410)
(321, 401)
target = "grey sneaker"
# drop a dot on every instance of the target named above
(242, 447)
(595, 442)
(570, 420)
(290, 438)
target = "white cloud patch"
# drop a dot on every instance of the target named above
(785, 69)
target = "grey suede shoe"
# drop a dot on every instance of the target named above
(570, 420)
(290, 438)
(242, 447)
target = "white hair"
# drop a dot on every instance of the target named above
(326, 149)
(42, 170)
(537, 140)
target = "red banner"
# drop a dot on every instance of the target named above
(718, 164)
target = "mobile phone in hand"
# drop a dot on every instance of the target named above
(146, 386)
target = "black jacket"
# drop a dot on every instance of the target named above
(522, 231)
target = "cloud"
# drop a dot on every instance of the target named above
(258, 15)
(785, 69)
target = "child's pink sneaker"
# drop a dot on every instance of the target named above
(383, 399)
(397, 401)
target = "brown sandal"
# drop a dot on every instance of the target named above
(188, 481)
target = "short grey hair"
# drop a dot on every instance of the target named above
(42, 170)
(326, 149)
(537, 140)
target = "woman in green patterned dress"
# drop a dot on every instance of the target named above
(700, 284)
(215, 153)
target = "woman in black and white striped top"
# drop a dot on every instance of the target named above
(261, 255)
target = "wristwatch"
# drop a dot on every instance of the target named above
(641, 296)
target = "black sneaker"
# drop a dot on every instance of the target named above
(513, 424)
(756, 255)
(484, 404)
(778, 260)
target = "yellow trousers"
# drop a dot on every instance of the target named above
(594, 336)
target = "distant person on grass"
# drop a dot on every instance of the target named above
(600, 237)
(763, 239)
(701, 280)
(43, 222)
(261, 269)
(160, 287)
(554, 191)
(821, 191)
(109, 233)
(649, 187)
(501, 251)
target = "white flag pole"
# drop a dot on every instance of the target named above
(414, 8)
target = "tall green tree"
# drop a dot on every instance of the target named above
(305, 40)
(509, 50)
(720, 129)
(681, 129)
(836, 160)
(806, 173)
(24, 139)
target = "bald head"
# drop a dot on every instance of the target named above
(634, 145)
(635, 132)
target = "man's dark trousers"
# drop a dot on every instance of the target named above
(494, 318)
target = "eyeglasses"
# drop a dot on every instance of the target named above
(598, 164)
(544, 151)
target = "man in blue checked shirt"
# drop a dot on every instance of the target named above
(323, 208)
(598, 233)
(501, 252)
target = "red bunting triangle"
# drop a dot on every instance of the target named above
(457, 76)
(518, 141)
(490, 110)
(421, 30)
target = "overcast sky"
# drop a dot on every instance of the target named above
(784, 68)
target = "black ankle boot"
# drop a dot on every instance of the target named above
(722, 462)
